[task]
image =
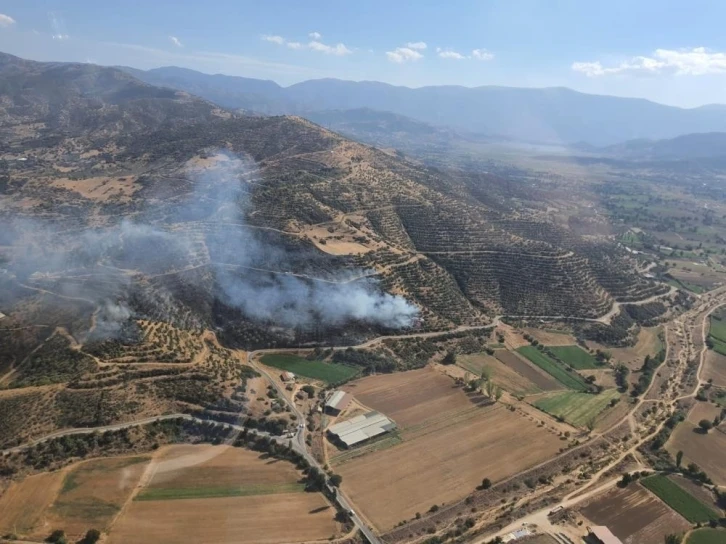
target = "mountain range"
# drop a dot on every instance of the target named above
(550, 115)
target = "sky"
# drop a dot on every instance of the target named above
(672, 52)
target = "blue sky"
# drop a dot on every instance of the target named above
(668, 51)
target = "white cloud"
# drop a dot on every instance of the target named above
(481, 54)
(403, 54)
(60, 36)
(419, 46)
(6, 20)
(315, 45)
(693, 62)
(448, 54)
(279, 40)
(176, 41)
(338, 49)
(315, 36)
(58, 26)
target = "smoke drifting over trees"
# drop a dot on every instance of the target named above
(259, 274)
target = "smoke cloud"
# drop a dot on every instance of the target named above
(264, 274)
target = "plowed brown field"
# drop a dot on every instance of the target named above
(715, 368)
(445, 451)
(23, 505)
(635, 516)
(542, 380)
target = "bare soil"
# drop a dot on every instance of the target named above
(23, 505)
(542, 380)
(715, 368)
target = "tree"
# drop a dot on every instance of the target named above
(449, 358)
(336, 480)
(673, 539)
(498, 392)
(486, 483)
(679, 458)
(92, 536)
(57, 537)
(705, 425)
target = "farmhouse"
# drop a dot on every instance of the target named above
(337, 402)
(360, 428)
(287, 377)
(600, 534)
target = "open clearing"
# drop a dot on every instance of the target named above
(575, 356)
(223, 494)
(715, 368)
(317, 370)
(448, 445)
(500, 373)
(569, 379)
(578, 409)
(23, 505)
(648, 344)
(707, 536)
(706, 450)
(551, 337)
(634, 515)
(679, 499)
(521, 366)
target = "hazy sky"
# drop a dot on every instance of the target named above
(668, 51)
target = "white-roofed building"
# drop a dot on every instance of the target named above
(337, 402)
(360, 428)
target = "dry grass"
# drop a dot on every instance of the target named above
(23, 505)
(500, 373)
(552, 338)
(715, 368)
(100, 188)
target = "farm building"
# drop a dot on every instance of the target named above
(337, 402)
(602, 535)
(287, 377)
(360, 428)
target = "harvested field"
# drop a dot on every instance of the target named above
(23, 505)
(575, 356)
(500, 373)
(267, 519)
(94, 492)
(605, 378)
(223, 494)
(634, 515)
(550, 337)
(578, 409)
(410, 398)
(679, 499)
(442, 461)
(521, 366)
(540, 539)
(205, 467)
(648, 344)
(565, 376)
(706, 450)
(317, 370)
(714, 368)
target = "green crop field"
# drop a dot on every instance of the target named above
(166, 494)
(707, 536)
(718, 329)
(575, 356)
(577, 408)
(679, 499)
(569, 379)
(317, 370)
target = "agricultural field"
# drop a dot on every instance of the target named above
(707, 536)
(521, 366)
(447, 445)
(706, 450)
(226, 495)
(316, 370)
(575, 356)
(679, 499)
(714, 368)
(578, 409)
(551, 337)
(717, 334)
(501, 374)
(632, 356)
(569, 379)
(634, 515)
(23, 505)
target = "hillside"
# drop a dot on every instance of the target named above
(126, 211)
(555, 115)
(710, 145)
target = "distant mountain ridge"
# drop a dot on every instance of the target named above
(555, 115)
(686, 147)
